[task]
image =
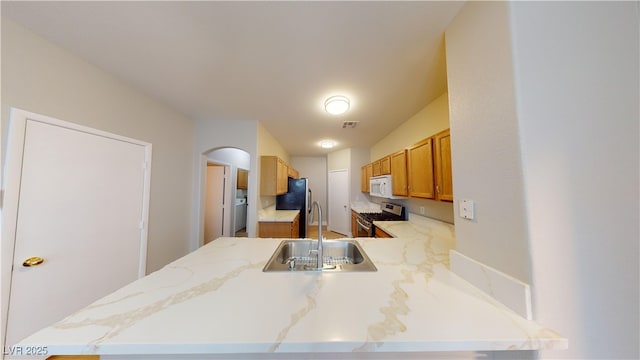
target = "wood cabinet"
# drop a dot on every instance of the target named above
(385, 165)
(420, 169)
(279, 229)
(292, 173)
(273, 176)
(376, 168)
(381, 166)
(381, 233)
(366, 172)
(398, 170)
(354, 224)
(444, 178)
(242, 180)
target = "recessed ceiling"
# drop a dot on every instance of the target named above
(275, 62)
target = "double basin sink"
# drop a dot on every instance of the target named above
(339, 255)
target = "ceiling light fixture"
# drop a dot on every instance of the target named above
(336, 105)
(327, 144)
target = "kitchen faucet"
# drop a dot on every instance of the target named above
(318, 251)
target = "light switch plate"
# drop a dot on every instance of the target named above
(466, 209)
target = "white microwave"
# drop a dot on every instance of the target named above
(380, 186)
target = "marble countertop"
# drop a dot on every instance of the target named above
(270, 214)
(217, 300)
(365, 207)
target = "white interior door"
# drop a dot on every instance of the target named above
(339, 210)
(83, 208)
(214, 203)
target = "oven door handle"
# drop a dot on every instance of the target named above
(363, 225)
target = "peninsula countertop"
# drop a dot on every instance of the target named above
(272, 215)
(217, 300)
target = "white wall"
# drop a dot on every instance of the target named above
(576, 67)
(235, 159)
(315, 169)
(484, 138)
(557, 84)
(40, 77)
(358, 158)
(211, 135)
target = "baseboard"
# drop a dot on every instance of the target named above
(506, 289)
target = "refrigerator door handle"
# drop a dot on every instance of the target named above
(309, 202)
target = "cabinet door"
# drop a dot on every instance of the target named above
(399, 173)
(354, 224)
(295, 228)
(376, 168)
(242, 179)
(385, 165)
(365, 174)
(282, 180)
(420, 169)
(276, 229)
(379, 233)
(364, 180)
(444, 178)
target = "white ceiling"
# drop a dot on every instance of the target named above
(275, 62)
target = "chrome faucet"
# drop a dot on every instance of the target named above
(318, 251)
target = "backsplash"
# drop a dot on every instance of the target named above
(438, 210)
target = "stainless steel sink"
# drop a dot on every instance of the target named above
(339, 255)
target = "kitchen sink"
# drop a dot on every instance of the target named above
(339, 255)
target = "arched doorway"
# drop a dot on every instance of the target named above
(225, 193)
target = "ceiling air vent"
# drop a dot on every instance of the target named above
(349, 124)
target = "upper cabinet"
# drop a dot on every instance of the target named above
(381, 166)
(366, 172)
(420, 169)
(274, 175)
(444, 177)
(242, 179)
(398, 166)
(292, 173)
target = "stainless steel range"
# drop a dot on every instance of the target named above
(389, 212)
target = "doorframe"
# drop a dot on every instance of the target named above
(11, 195)
(329, 195)
(203, 193)
(229, 188)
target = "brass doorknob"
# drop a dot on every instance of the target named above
(33, 261)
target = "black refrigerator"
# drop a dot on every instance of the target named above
(298, 198)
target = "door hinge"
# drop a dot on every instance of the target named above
(141, 225)
(144, 165)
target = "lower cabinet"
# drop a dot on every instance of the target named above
(382, 234)
(279, 229)
(354, 224)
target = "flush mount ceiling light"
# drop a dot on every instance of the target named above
(327, 144)
(336, 105)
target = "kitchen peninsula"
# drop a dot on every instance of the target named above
(217, 303)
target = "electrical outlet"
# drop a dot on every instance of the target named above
(466, 209)
(421, 210)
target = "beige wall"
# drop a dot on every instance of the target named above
(432, 119)
(268, 145)
(484, 138)
(40, 77)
